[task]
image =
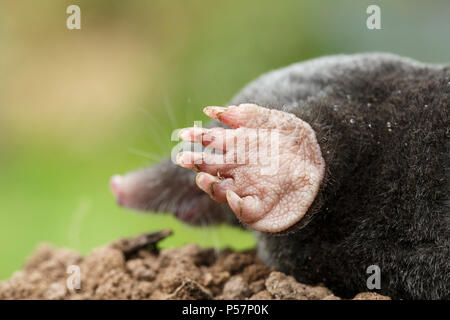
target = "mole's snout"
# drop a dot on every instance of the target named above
(116, 184)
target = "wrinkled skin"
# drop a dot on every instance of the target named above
(361, 180)
(269, 200)
(268, 193)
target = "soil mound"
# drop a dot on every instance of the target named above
(135, 269)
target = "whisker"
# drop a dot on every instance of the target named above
(151, 118)
(156, 133)
(148, 155)
(170, 113)
(215, 239)
(82, 209)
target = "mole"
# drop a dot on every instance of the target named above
(344, 164)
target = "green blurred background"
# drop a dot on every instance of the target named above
(77, 106)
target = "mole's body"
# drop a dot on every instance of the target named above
(363, 177)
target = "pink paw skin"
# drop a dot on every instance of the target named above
(269, 194)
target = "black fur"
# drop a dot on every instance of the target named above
(383, 126)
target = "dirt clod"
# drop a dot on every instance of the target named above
(235, 288)
(128, 246)
(134, 269)
(190, 290)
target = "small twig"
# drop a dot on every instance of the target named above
(132, 245)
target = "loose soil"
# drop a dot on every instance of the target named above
(134, 268)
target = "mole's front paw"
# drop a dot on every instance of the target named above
(268, 167)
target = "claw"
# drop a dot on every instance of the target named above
(248, 209)
(211, 138)
(206, 182)
(214, 112)
(214, 186)
(203, 161)
(253, 116)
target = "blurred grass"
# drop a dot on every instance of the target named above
(79, 106)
